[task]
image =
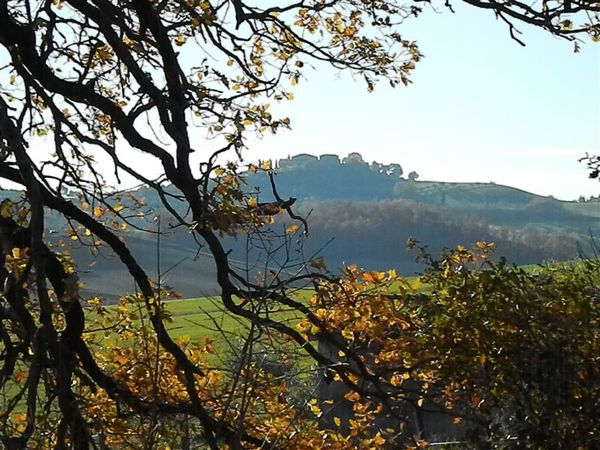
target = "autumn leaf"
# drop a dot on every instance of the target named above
(374, 277)
(19, 376)
(221, 190)
(378, 440)
(104, 52)
(6, 208)
(352, 396)
(291, 229)
(20, 417)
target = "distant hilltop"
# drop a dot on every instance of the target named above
(306, 160)
(328, 177)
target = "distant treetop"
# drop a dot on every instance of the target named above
(306, 160)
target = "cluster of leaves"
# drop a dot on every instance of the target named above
(232, 207)
(249, 395)
(511, 352)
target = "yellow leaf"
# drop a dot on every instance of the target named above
(315, 409)
(180, 40)
(252, 202)
(420, 402)
(118, 207)
(337, 421)
(348, 334)
(291, 228)
(16, 253)
(378, 440)
(266, 165)
(6, 208)
(87, 232)
(98, 212)
(104, 52)
(352, 396)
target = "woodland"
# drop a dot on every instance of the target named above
(474, 352)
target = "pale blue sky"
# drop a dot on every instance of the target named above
(482, 108)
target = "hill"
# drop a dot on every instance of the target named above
(359, 213)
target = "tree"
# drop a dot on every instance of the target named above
(507, 352)
(87, 84)
(412, 176)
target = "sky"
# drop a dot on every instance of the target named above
(481, 108)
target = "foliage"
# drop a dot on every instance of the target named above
(372, 234)
(94, 83)
(511, 352)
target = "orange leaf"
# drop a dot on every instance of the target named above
(291, 228)
(20, 376)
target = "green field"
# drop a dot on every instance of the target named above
(197, 319)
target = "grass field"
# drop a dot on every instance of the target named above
(197, 319)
